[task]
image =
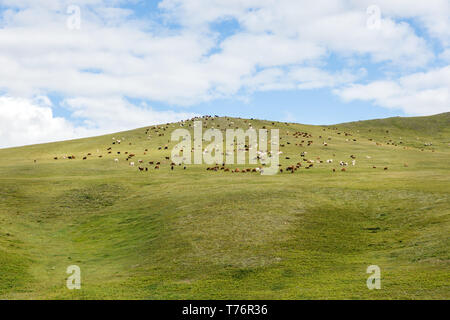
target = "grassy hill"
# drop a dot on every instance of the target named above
(199, 234)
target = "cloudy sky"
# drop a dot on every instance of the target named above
(80, 68)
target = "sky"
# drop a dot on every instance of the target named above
(71, 69)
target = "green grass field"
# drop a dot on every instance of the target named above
(197, 234)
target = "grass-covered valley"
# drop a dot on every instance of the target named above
(203, 234)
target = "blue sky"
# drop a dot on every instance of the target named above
(80, 68)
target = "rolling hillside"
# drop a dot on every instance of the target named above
(201, 234)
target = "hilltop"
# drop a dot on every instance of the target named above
(197, 234)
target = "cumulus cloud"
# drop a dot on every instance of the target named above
(422, 93)
(24, 121)
(338, 26)
(39, 53)
(433, 15)
(31, 121)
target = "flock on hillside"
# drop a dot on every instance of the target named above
(301, 139)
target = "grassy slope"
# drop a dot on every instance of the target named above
(198, 234)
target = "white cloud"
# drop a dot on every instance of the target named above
(23, 121)
(40, 54)
(433, 15)
(421, 93)
(338, 26)
(30, 121)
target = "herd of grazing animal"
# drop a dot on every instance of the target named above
(297, 139)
